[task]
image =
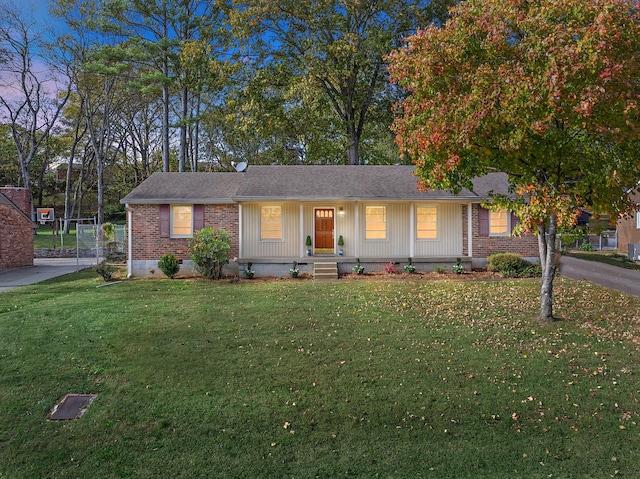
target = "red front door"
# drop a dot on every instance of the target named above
(324, 230)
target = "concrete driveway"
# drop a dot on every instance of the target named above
(620, 279)
(43, 269)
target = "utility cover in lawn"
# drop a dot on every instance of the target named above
(72, 406)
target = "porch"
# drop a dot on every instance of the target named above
(275, 267)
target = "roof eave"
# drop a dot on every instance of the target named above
(239, 199)
(175, 201)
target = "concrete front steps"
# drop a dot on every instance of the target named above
(325, 271)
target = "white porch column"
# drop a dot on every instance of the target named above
(412, 230)
(303, 238)
(356, 219)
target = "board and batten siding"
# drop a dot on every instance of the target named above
(401, 240)
(254, 247)
(449, 231)
(351, 224)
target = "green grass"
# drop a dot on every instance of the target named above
(607, 257)
(394, 379)
(44, 238)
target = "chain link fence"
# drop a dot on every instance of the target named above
(93, 241)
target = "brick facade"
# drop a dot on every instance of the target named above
(483, 246)
(16, 229)
(149, 246)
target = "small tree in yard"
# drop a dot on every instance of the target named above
(209, 249)
(546, 91)
(169, 265)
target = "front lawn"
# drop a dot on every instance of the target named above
(296, 379)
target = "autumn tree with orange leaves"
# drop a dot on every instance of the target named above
(546, 91)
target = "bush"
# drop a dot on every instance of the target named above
(390, 268)
(512, 265)
(586, 246)
(209, 249)
(169, 265)
(105, 270)
(409, 268)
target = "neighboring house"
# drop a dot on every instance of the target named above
(629, 231)
(270, 210)
(16, 228)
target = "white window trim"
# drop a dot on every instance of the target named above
(638, 220)
(507, 232)
(272, 240)
(386, 223)
(437, 208)
(171, 216)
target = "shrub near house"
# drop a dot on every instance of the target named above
(209, 250)
(512, 265)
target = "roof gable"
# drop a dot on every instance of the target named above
(6, 201)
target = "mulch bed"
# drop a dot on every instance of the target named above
(474, 275)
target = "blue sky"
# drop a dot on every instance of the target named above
(36, 11)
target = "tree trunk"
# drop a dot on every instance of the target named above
(165, 129)
(547, 248)
(68, 211)
(354, 144)
(196, 137)
(183, 128)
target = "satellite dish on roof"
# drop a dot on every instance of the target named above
(240, 167)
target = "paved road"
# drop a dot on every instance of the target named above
(621, 279)
(43, 269)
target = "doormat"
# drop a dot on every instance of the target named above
(72, 406)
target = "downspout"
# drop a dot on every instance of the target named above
(240, 249)
(129, 242)
(470, 231)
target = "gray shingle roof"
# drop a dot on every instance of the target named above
(196, 188)
(259, 183)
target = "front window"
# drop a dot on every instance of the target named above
(376, 222)
(427, 222)
(182, 221)
(499, 223)
(271, 223)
